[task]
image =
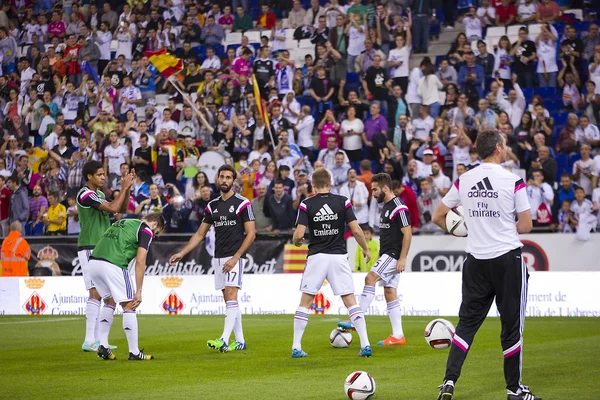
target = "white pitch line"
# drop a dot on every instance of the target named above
(37, 321)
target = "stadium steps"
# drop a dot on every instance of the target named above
(438, 47)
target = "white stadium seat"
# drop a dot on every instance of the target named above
(306, 44)
(513, 30)
(254, 36)
(535, 30)
(233, 38)
(290, 43)
(495, 31)
(162, 99)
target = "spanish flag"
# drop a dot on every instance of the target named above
(294, 258)
(260, 107)
(164, 62)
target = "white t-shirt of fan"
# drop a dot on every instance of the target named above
(546, 52)
(400, 55)
(491, 198)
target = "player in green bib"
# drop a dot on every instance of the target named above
(94, 218)
(124, 241)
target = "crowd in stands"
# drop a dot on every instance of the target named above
(342, 88)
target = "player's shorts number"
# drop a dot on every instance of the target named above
(229, 274)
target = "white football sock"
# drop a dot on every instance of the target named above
(237, 328)
(230, 317)
(393, 309)
(358, 320)
(366, 298)
(92, 309)
(104, 324)
(300, 322)
(130, 326)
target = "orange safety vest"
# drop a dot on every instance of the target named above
(15, 254)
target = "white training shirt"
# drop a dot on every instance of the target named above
(491, 197)
(116, 157)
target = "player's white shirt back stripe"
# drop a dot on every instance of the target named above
(491, 198)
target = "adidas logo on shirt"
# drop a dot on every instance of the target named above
(483, 189)
(325, 214)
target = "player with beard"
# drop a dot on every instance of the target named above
(233, 219)
(395, 234)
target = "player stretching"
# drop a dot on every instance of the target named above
(395, 235)
(326, 215)
(491, 197)
(232, 216)
(94, 217)
(124, 241)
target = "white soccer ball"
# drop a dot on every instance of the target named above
(439, 333)
(455, 222)
(340, 338)
(359, 385)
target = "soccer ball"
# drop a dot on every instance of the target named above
(439, 333)
(455, 222)
(340, 338)
(359, 385)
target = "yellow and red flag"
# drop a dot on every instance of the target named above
(166, 63)
(294, 258)
(260, 107)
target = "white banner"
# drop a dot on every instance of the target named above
(550, 294)
(542, 252)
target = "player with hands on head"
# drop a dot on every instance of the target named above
(94, 218)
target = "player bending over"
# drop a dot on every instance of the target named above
(232, 216)
(124, 241)
(395, 235)
(494, 267)
(94, 216)
(326, 215)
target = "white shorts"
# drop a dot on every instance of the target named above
(84, 259)
(334, 268)
(111, 281)
(231, 278)
(385, 267)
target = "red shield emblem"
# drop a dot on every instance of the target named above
(35, 305)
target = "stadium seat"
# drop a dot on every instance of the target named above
(573, 158)
(162, 99)
(352, 77)
(535, 30)
(114, 45)
(234, 46)
(496, 31)
(528, 93)
(556, 133)
(513, 30)
(253, 36)
(577, 13)
(285, 22)
(306, 44)
(582, 26)
(546, 92)
(290, 43)
(553, 105)
(562, 160)
(233, 37)
(289, 33)
(513, 39)
(492, 41)
(561, 118)
(301, 53)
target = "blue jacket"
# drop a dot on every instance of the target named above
(478, 71)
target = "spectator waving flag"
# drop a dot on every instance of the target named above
(167, 64)
(88, 69)
(260, 107)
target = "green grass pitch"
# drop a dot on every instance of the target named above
(41, 358)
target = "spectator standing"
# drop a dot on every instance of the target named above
(352, 129)
(296, 16)
(428, 200)
(423, 14)
(15, 252)
(56, 217)
(356, 191)
(516, 103)
(524, 54)
(398, 60)
(314, 13)
(541, 198)
(588, 133)
(279, 209)
(73, 226)
(506, 13)
(547, 68)
(339, 172)
(356, 39)
(429, 90)
(115, 154)
(584, 171)
(4, 207)
(263, 223)
(19, 203)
